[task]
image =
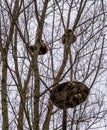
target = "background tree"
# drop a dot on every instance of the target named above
(27, 78)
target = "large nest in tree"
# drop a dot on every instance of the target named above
(69, 94)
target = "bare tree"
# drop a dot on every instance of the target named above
(28, 77)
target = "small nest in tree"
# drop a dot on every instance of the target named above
(68, 37)
(43, 48)
(69, 94)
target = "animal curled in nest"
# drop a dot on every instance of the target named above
(43, 47)
(68, 37)
(69, 94)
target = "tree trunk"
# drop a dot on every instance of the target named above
(5, 124)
